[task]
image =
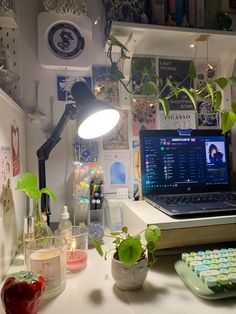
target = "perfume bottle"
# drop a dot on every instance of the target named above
(28, 235)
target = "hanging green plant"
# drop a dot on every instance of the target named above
(150, 87)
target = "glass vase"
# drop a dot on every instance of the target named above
(41, 229)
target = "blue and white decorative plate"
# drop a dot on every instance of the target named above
(65, 40)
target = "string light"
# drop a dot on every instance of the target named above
(97, 20)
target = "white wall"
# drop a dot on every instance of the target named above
(61, 155)
(11, 221)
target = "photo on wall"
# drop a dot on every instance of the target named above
(116, 165)
(105, 86)
(15, 143)
(206, 116)
(86, 150)
(64, 84)
(205, 73)
(176, 71)
(6, 196)
(118, 137)
(137, 76)
(143, 114)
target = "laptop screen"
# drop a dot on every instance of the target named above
(173, 163)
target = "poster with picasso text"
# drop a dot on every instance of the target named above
(116, 166)
(6, 197)
(176, 120)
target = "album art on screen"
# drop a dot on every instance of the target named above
(176, 71)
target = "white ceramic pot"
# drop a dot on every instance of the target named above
(129, 277)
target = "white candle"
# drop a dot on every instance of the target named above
(52, 265)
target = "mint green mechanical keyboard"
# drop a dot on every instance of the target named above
(210, 274)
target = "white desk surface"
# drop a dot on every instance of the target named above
(150, 215)
(92, 291)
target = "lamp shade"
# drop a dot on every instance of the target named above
(95, 117)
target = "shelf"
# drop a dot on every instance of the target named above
(161, 40)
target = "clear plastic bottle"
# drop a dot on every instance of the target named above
(65, 219)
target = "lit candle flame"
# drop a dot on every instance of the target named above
(73, 246)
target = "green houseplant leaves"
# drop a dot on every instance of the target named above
(130, 249)
(211, 91)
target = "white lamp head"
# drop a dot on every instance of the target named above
(95, 117)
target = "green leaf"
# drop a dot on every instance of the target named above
(123, 55)
(32, 192)
(151, 246)
(190, 96)
(222, 82)
(116, 241)
(165, 105)
(125, 229)
(232, 80)
(130, 251)
(116, 72)
(218, 100)
(97, 246)
(49, 192)
(25, 180)
(149, 88)
(210, 90)
(169, 83)
(142, 64)
(228, 120)
(152, 233)
(233, 106)
(115, 233)
(115, 42)
(192, 73)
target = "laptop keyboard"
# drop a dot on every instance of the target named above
(197, 198)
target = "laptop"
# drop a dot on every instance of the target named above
(186, 173)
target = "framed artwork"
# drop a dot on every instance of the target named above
(175, 71)
(64, 84)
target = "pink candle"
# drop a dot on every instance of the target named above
(76, 260)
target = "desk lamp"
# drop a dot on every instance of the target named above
(94, 118)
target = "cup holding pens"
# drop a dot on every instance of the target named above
(77, 247)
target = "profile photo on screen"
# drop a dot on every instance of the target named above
(215, 153)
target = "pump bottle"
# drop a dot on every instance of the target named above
(65, 219)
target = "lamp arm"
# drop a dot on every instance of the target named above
(43, 152)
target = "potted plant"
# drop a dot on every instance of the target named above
(27, 182)
(149, 84)
(132, 256)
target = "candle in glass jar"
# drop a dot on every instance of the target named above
(76, 258)
(47, 256)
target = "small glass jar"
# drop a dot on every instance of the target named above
(77, 247)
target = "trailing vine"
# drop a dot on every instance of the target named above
(150, 84)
